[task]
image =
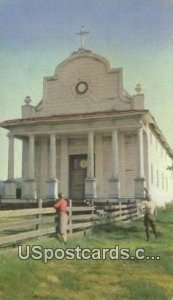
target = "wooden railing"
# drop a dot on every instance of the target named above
(118, 209)
(23, 224)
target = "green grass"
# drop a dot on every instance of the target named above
(95, 279)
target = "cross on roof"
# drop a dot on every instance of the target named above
(82, 33)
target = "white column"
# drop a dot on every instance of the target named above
(10, 186)
(29, 185)
(11, 157)
(25, 167)
(64, 166)
(44, 166)
(90, 169)
(140, 183)
(99, 165)
(140, 153)
(52, 156)
(52, 183)
(90, 181)
(31, 157)
(114, 181)
(115, 166)
(147, 172)
(25, 154)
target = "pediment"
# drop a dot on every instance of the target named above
(83, 83)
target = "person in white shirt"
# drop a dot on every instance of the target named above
(149, 214)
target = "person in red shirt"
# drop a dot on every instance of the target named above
(61, 206)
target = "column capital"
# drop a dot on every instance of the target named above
(91, 131)
(30, 135)
(140, 128)
(52, 134)
(10, 135)
(63, 137)
(115, 129)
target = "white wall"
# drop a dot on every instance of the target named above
(161, 181)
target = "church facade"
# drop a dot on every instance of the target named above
(89, 138)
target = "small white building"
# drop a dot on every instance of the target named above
(89, 138)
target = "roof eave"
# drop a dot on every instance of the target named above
(61, 118)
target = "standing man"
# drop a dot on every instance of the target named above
(61, 208)
(149, 213)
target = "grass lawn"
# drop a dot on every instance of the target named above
(95, 279)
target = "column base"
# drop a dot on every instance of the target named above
(140, 184)
(29, 189)
(52, 189)
(114, 186)
(90, 188)
(10, 189)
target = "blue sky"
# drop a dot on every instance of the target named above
(36, 35)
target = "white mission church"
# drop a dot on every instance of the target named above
(89, 138)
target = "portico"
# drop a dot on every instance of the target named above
(46, 167)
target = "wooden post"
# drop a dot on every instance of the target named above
(70, 217)
(40, 205)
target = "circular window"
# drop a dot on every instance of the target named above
(82, 87)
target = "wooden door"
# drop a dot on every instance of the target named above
(77, 174)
